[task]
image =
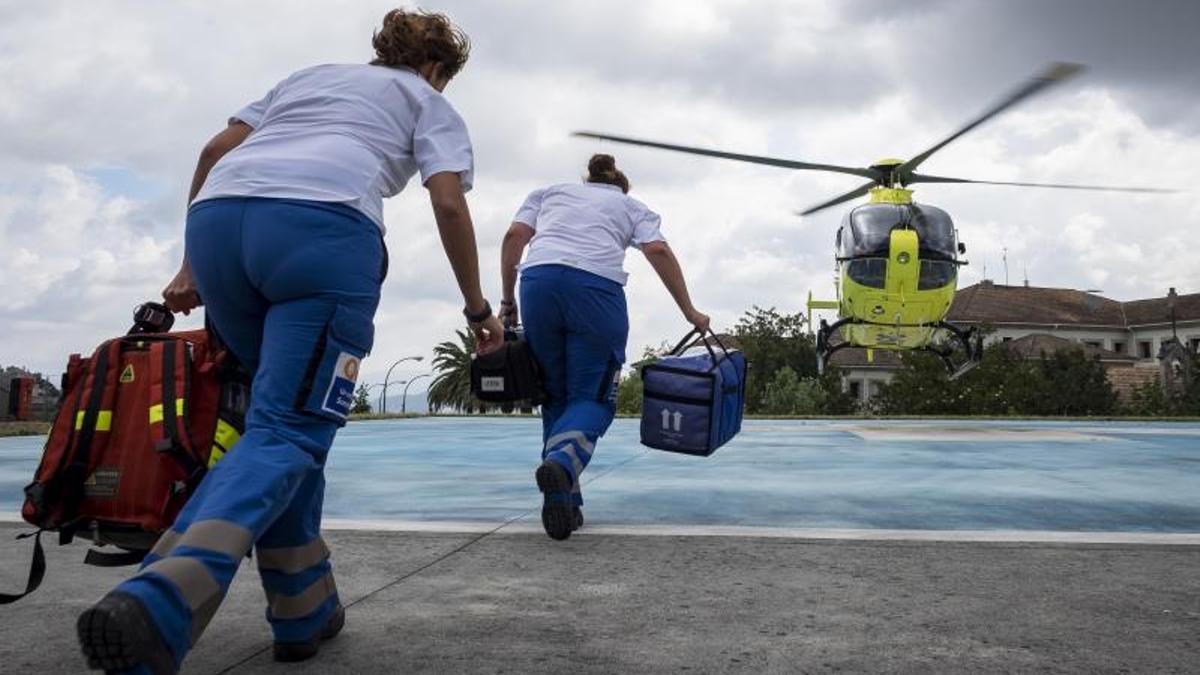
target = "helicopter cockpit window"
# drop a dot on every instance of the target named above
(869, 272)
(870, 230)
(935, 230)
(935, 274)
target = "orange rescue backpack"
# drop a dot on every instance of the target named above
(140, 422)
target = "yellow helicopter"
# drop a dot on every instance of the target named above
(897, 260)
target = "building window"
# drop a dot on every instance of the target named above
(1144, 349)
(1194, 345)
(856, 389)
(1118, 346)
(1006, 338)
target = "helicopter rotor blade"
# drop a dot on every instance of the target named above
(1056, 72)
(754, 159)
(853, 194)
(923, 178)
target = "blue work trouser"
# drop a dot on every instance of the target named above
(577, 324)
(291, 286)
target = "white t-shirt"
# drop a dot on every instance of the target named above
(352, 134)
(587, 226)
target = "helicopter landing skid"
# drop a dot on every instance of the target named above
(972, 345)
(971, 342)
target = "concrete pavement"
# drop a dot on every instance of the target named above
(512, 601)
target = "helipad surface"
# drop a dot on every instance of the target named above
(978, 476)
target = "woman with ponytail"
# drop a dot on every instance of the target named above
(575, 316)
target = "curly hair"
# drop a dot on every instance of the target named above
(603, 169)
(413, 39)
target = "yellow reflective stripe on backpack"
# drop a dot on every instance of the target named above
(224, 438)
(103, 420)
(156, 411)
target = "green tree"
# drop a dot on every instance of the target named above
(771, 341)
(629, 394)
(1075, 384)
(362, 400)
(1002, 384)
(920, 387)
(1148, 400)
(838, 401)
(451, 387)
(789, 394)
(1063, 383)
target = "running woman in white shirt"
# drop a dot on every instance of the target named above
(284, 245)
(575, 316)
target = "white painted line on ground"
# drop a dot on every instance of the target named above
(438, 526)
(531, 526)
(968, 434)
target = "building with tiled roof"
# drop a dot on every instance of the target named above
(1125, 336)
(1137, 327)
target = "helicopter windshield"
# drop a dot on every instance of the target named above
(935, 231)
(866, 231)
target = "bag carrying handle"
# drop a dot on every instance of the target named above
(697, 335)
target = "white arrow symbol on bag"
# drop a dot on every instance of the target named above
(666, 419)
(678, 420)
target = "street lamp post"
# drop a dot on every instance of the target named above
(379, 405)
(383, 396)
(404, 396)
(371, 386)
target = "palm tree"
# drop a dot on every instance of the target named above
(451, 388)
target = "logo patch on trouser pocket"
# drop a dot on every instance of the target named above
(329, 391)
(339, 396)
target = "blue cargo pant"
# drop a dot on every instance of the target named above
(291, 286)
(577, 324)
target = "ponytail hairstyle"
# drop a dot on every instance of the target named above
(603, 169)
(412, 39)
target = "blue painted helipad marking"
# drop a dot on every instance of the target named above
(843, 475)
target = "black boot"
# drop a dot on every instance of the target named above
(117, 634)
(302, 651)
(557, 510)
(576, 519)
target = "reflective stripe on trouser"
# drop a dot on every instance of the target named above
(573, 450)
(293, 562)
(273, 310)
(577, 325)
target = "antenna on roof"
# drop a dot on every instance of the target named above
(1004, 256)
(1026, 267)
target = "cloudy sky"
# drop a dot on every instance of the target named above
(105, 105)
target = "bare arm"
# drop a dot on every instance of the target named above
(180, 294)
(217, 147)
(515, 241)
(458, 239)
(664, 262)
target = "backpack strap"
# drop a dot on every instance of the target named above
(92, 419)
(37, 569)
(170, 368)
(122, 559)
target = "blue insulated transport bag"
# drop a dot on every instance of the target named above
(692, 398)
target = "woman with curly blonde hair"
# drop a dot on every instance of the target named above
(284, 244)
